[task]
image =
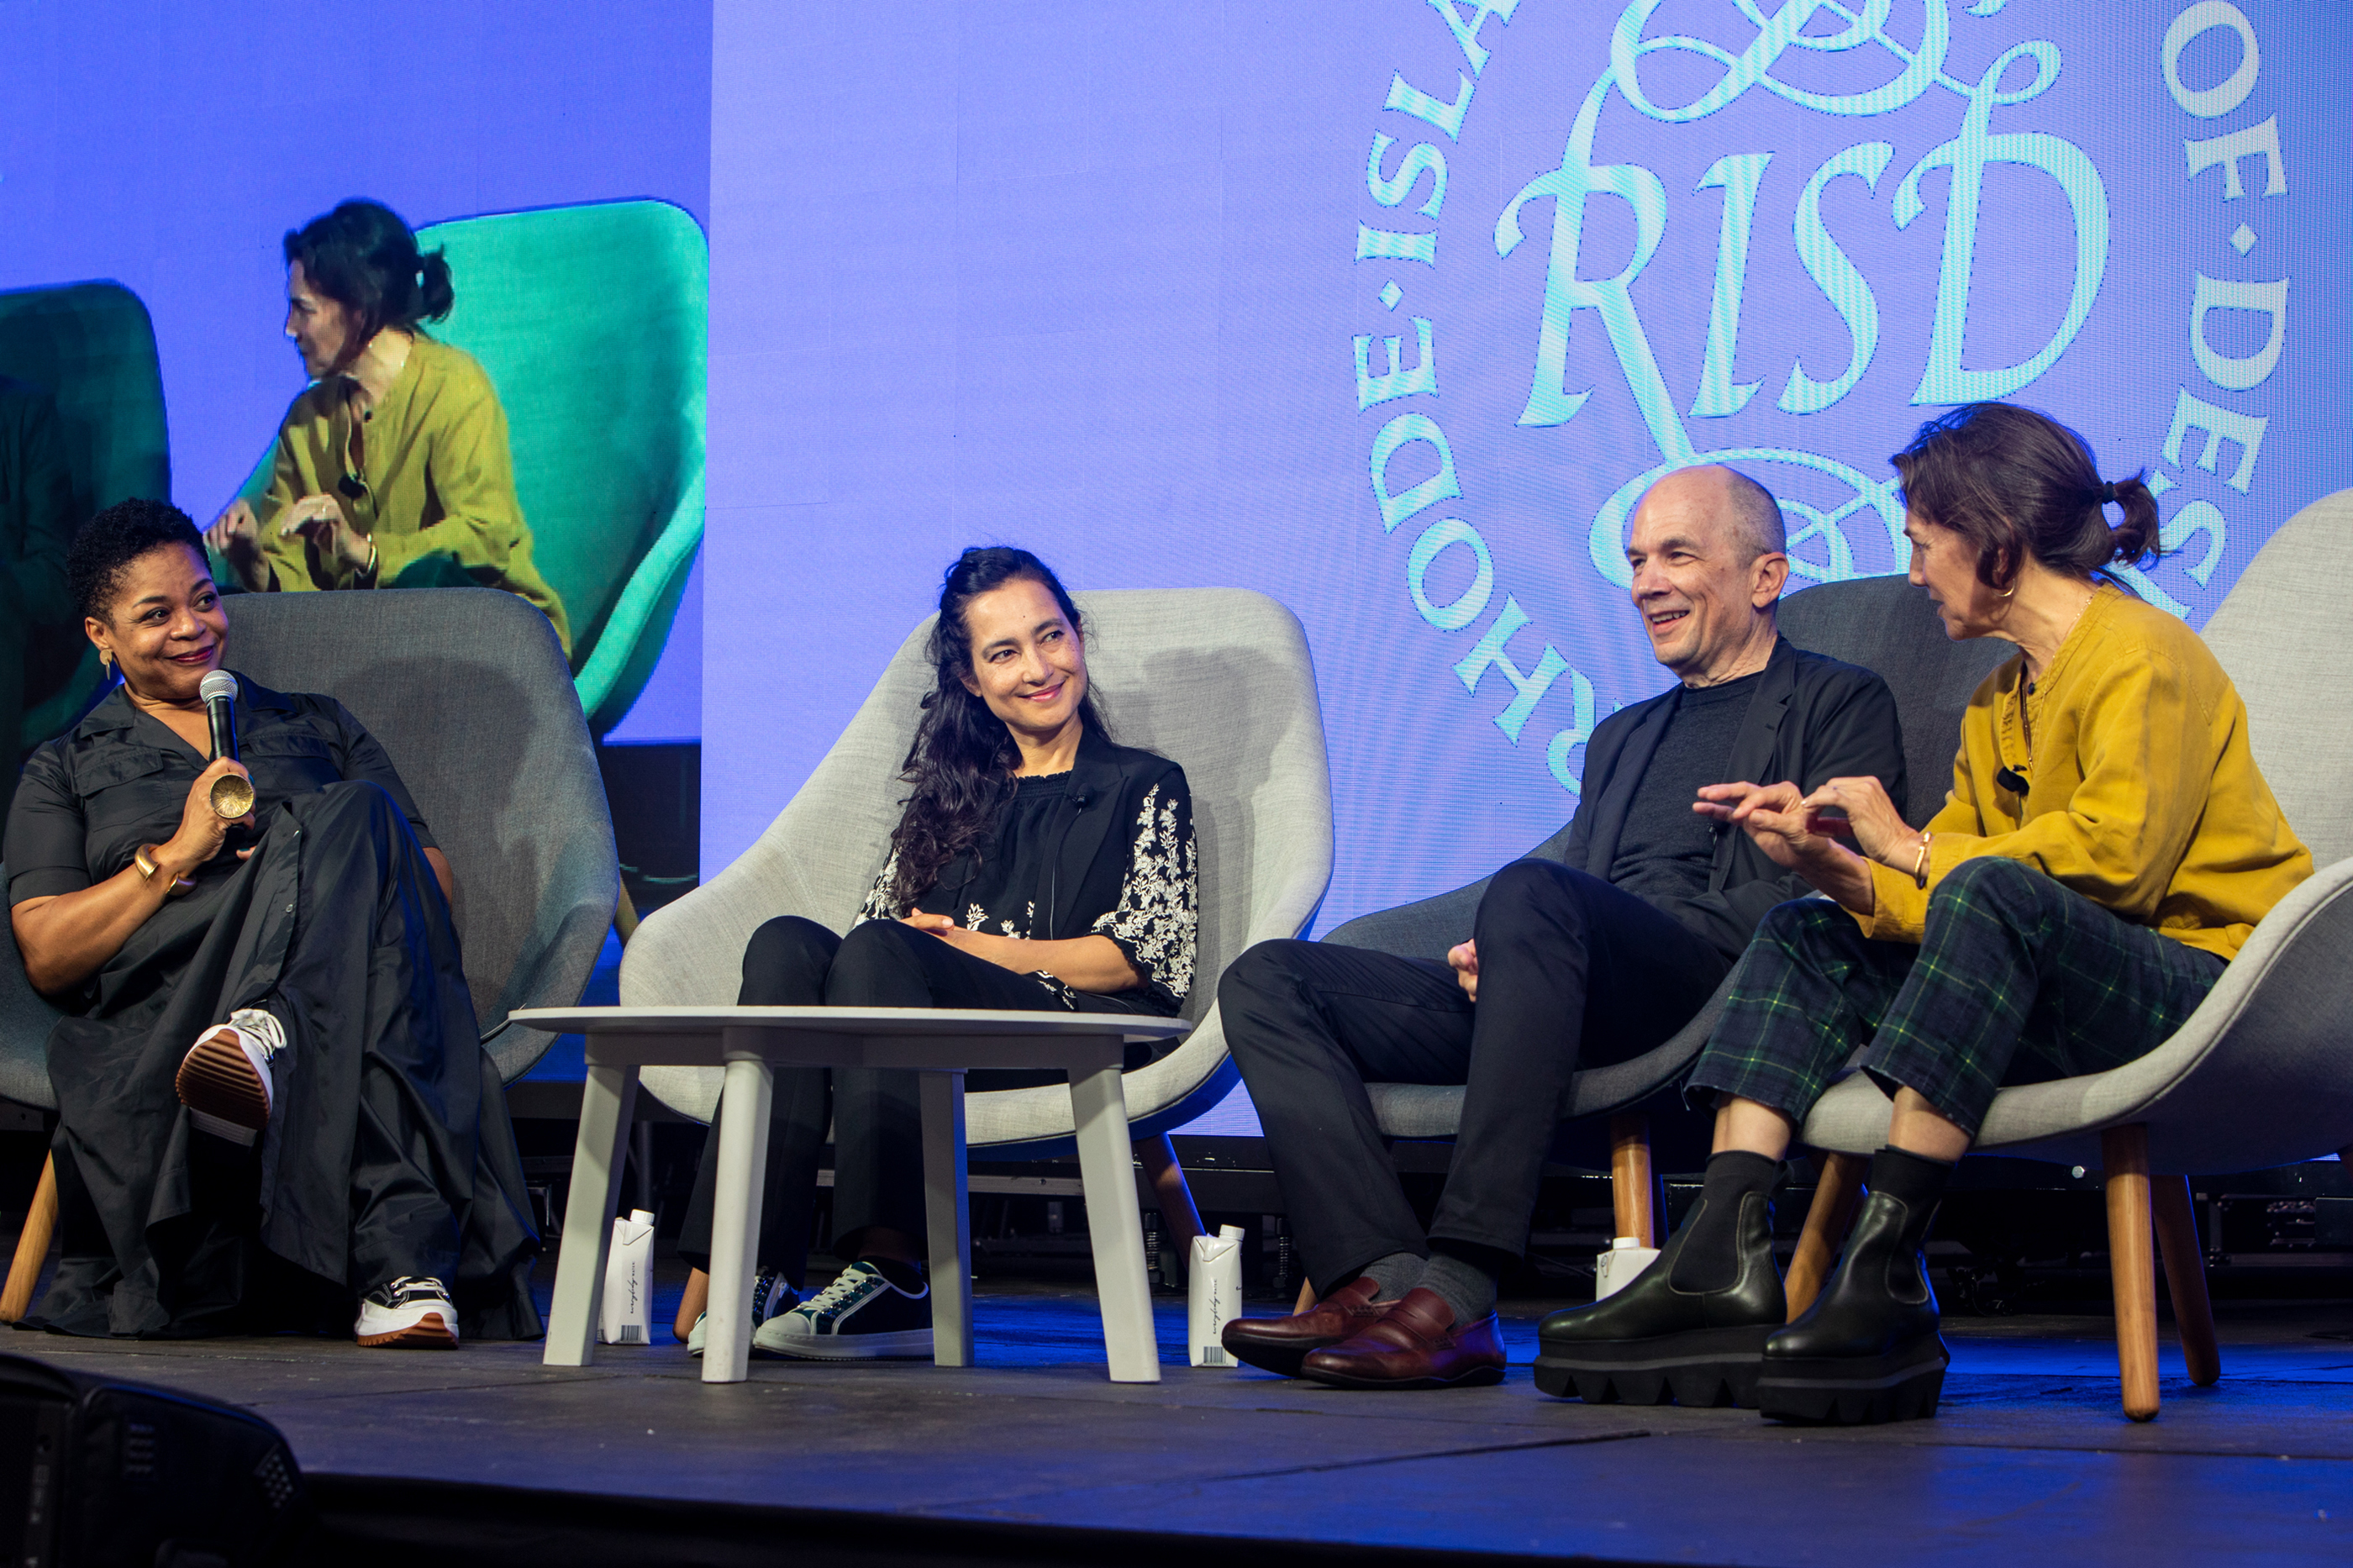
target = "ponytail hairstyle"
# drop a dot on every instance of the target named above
(962, 761)
(365, 259)
(2017, 483)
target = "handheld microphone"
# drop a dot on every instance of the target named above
(232, 796)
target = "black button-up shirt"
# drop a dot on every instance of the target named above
(89, 799)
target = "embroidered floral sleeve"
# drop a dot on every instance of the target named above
(878, 905)
(1158, 913)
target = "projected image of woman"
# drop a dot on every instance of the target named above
(1037, 866)
(2108, 847)
(392, 469)
(275, 1112)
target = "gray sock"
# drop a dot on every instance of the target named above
(1465, 1287)
(1396, 1274)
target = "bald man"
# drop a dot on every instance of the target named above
(1595, 951)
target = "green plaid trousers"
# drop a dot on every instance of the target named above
(2010, 965)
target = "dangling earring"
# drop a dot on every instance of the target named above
(106, 660)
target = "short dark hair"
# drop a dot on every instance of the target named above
(365, 259)
(2015, 483)
(105, 546)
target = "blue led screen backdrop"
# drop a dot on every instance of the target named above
(1391, 309)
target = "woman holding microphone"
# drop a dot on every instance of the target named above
(274, 1108)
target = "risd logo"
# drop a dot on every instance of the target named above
(1993, 119)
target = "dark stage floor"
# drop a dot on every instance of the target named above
(2030, 1460)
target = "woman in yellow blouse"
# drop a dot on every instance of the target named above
(2107, 846)
(392, 468)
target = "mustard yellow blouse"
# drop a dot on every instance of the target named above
(2143, 795)
(433, 476)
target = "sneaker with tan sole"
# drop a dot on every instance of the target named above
(224, 1080)
(412, 1312)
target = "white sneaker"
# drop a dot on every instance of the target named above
(770, 1297)
(224, 1080)
(862, 1315)
(413, 1312)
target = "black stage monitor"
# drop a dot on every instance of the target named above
(98, 1471)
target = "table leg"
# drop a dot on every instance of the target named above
(947, 1216)
(608, 1101)
(1107, 1169)
(743, 1104)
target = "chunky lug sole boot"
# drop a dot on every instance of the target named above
(1867, 1351)
(1651, 1342)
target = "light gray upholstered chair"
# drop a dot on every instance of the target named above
(2262, 1074)
(471, 697)
(1880, 623)
(1217, 679)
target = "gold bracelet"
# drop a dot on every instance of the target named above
(143, 858)
(1920, 866)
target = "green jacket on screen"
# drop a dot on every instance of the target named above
(433, 486)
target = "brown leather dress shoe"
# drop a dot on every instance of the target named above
(1415, 1345)
(1277, 1344)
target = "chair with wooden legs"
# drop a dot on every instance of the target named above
(468, 692)
(1880, 623)
(2262, 1074)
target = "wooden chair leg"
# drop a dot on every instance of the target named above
(1836, 1196)
(32, 1246)
(2185, 1278)
(1630, 1186)
(1180, 1220)
(2132, 1271)
(625, 916)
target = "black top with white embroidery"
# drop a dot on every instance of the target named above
(1051, 869)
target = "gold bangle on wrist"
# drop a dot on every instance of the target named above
(144, 859)
(1920, 866)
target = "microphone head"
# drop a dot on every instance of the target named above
(217, 685)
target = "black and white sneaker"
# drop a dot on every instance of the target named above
(412, 1312)
(862, 1315)
(771, 1297)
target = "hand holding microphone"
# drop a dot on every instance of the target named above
(232, 792)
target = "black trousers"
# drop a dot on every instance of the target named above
(389, 1151)
(1571, 971)
(878, 1161)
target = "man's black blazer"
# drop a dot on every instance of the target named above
(1812, 720)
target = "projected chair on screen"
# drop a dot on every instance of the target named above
(91, 347)
(2262, 1074)
(1882, 624)
(592, 323)
(467, 691)
(1216, 679)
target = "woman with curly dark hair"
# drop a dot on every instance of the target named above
(1037, 866)
(274, 1108)
(2108, 847)
(392, 469)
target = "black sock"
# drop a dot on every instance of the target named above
(1710, 1258)
(908, 1277)
(1914, 1180)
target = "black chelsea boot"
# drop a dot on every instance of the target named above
(1651, 1342)
(1867, 1349)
